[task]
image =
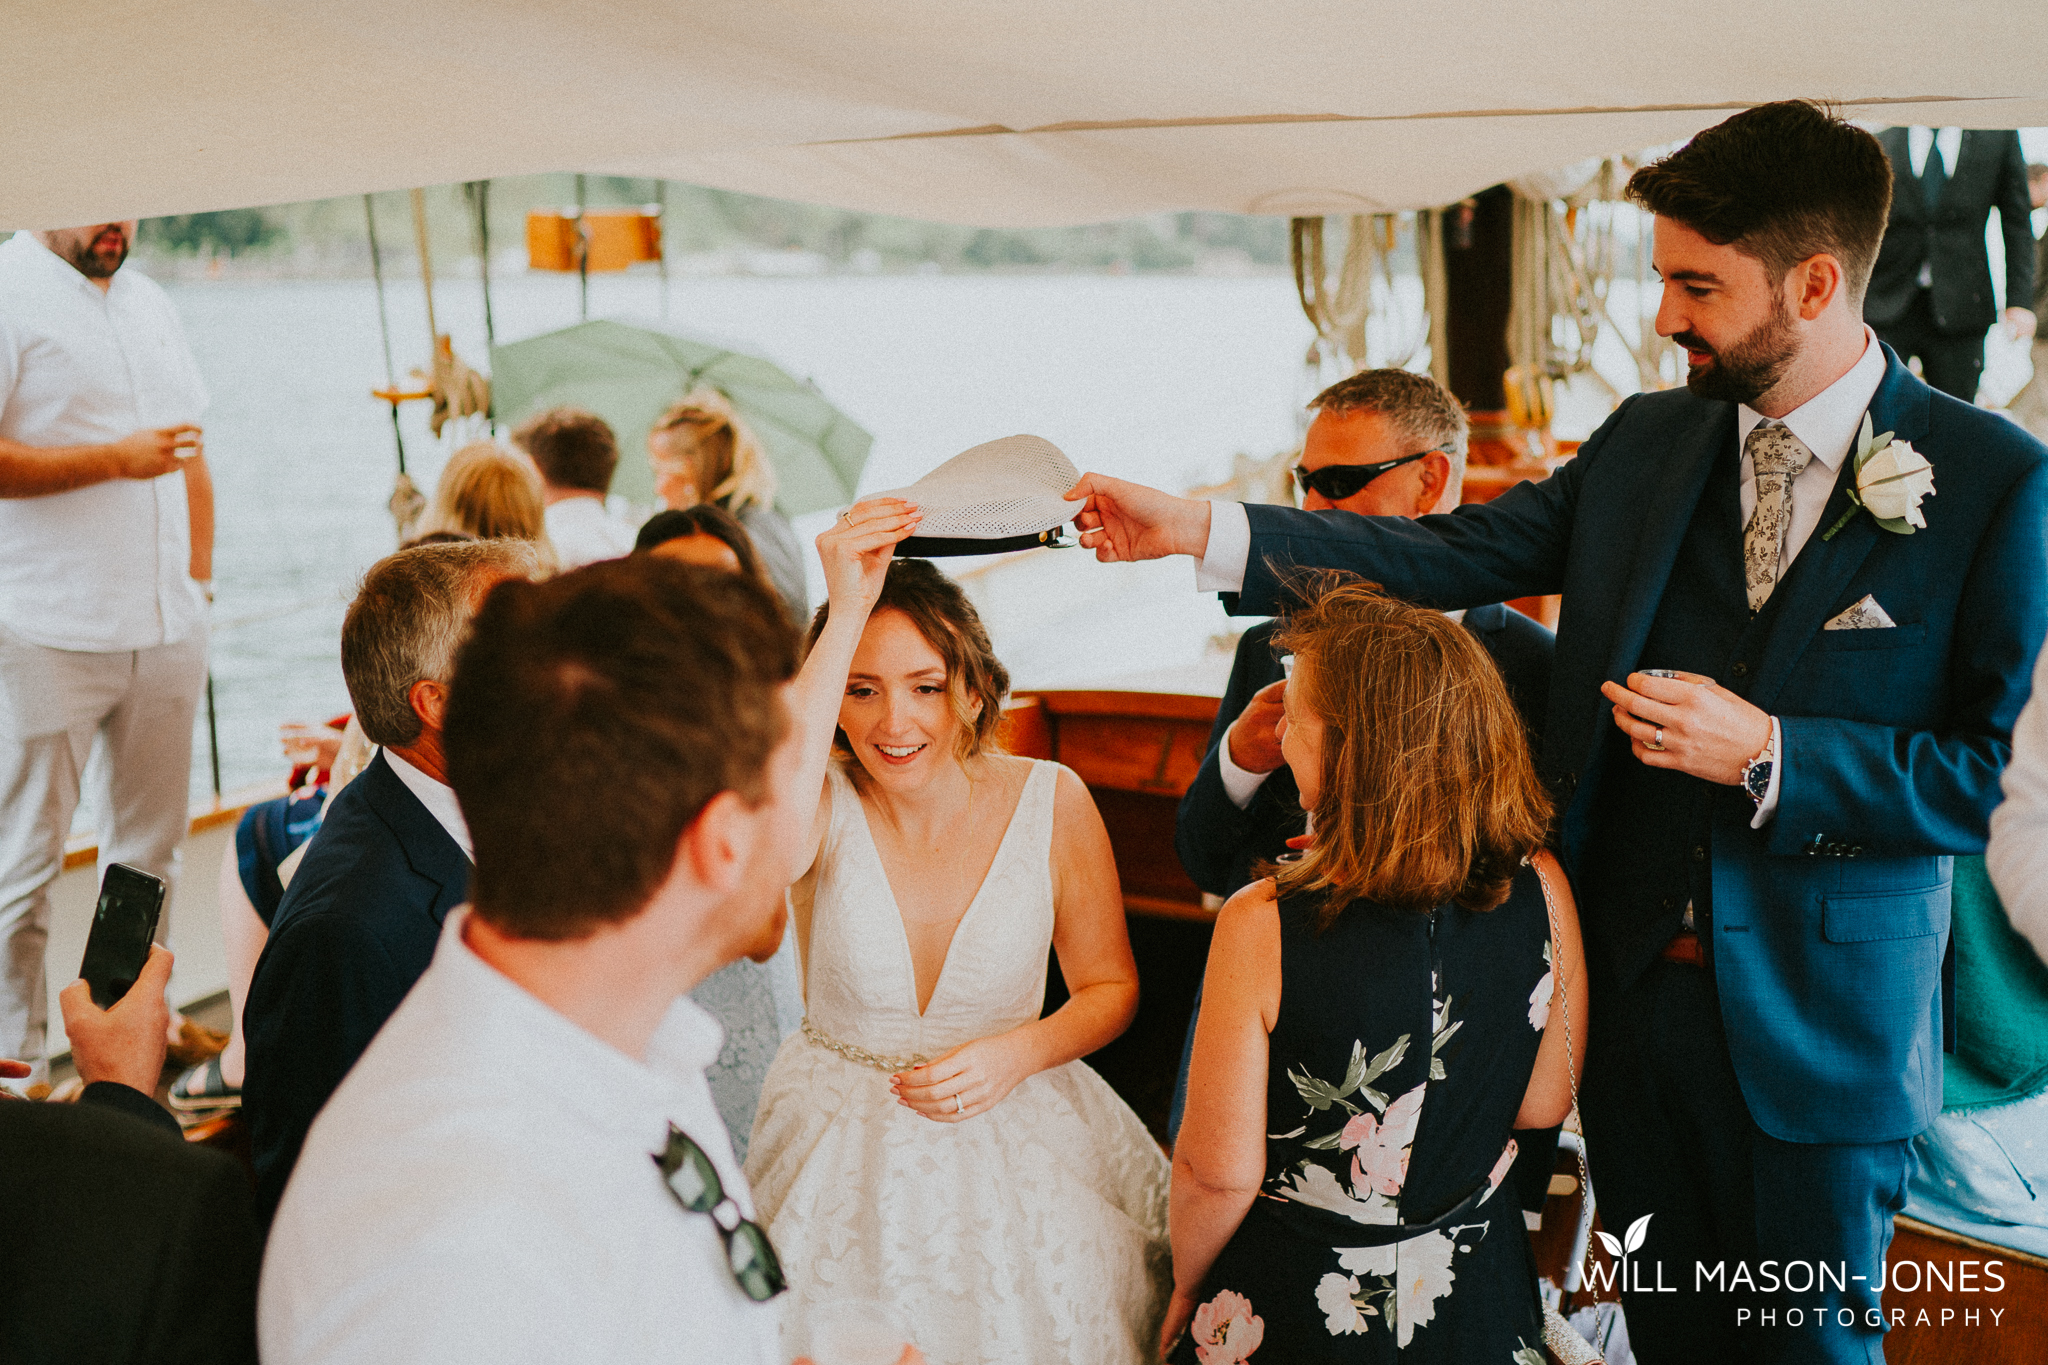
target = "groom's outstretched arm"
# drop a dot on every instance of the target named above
(1516, 546)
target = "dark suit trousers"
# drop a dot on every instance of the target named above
(1669, 1137)
(1948, 362)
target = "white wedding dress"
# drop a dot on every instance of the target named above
(1033, 1232)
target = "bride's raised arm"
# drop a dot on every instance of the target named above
(855, 551)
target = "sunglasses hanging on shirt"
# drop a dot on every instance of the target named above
(1339, 481)
(694, 1182)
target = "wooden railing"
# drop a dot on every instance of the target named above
(1137, 752)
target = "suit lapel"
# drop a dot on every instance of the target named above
(429, 850)
(1906, 198)
(1824, 567)
(1674, 496)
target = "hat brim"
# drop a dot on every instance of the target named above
(951, 547)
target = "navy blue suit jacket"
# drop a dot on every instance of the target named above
(1220, 844)
(1829, 922)
(356, 928)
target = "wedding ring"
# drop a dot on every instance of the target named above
(1656, 740)
(959, 1106)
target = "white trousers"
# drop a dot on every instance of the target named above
(137, 706)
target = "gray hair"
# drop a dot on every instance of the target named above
(409, 616)
(1424, 410)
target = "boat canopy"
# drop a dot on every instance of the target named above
(980, 112)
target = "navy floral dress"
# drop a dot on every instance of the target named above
(1403, 1048)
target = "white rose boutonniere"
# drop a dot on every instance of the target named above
(1891, 479)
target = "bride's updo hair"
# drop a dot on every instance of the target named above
(976, 681)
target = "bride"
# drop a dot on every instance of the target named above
(927, 1145)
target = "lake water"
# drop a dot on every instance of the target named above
(1159, 379)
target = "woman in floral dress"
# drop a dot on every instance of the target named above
(1377, 1020)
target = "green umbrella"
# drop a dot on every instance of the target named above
(631, 375)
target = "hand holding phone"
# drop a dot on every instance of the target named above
(122, 927)
(125, 1043)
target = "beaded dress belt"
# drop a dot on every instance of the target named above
(861, 1055)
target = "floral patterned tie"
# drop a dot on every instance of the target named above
(1777, 456)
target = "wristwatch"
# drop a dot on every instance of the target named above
(1756, 774)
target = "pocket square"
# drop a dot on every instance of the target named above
(1865, 615)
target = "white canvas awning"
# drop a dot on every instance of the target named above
(970, 111)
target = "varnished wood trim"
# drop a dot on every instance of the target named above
(1933, 1233)
(82, 850)
(1149, 705)
(1159, 907)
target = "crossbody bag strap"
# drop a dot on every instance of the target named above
(1563, 1342)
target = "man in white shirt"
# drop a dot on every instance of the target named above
(359, 921)
(575, 454)
(1774, 717)
(106, 512)
(527, 1164)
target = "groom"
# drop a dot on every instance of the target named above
(1762, 860)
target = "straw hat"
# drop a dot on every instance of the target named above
(999, 496)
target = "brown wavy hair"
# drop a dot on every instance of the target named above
(949, 623)
(1428, 792)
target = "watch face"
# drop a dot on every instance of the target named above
(1756, 779)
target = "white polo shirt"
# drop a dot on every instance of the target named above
(104, 568)
(482, 1188)
(583, 531)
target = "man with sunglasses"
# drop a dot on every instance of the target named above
(1384, 443)
(527, 1165)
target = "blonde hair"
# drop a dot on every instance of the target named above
(488, 492)
(726, 462)
(1428, 793)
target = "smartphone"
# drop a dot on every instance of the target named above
(123, 927)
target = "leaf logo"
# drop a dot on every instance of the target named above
(1619, 1249)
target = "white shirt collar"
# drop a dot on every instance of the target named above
(612, 1087)
(1829, 421)
(57, 267)
(438, 798)
(1918, 140)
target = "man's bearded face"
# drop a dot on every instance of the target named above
(1747, 368)
(96, 252)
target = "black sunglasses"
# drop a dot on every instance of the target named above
(1339, 481)
(694, 1182)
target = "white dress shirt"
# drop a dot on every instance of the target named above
(438, 798)
(1828, 423)
(2018, 856)
(104, 568)
(482, 1188)
(584, 532)
(1918, 140)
